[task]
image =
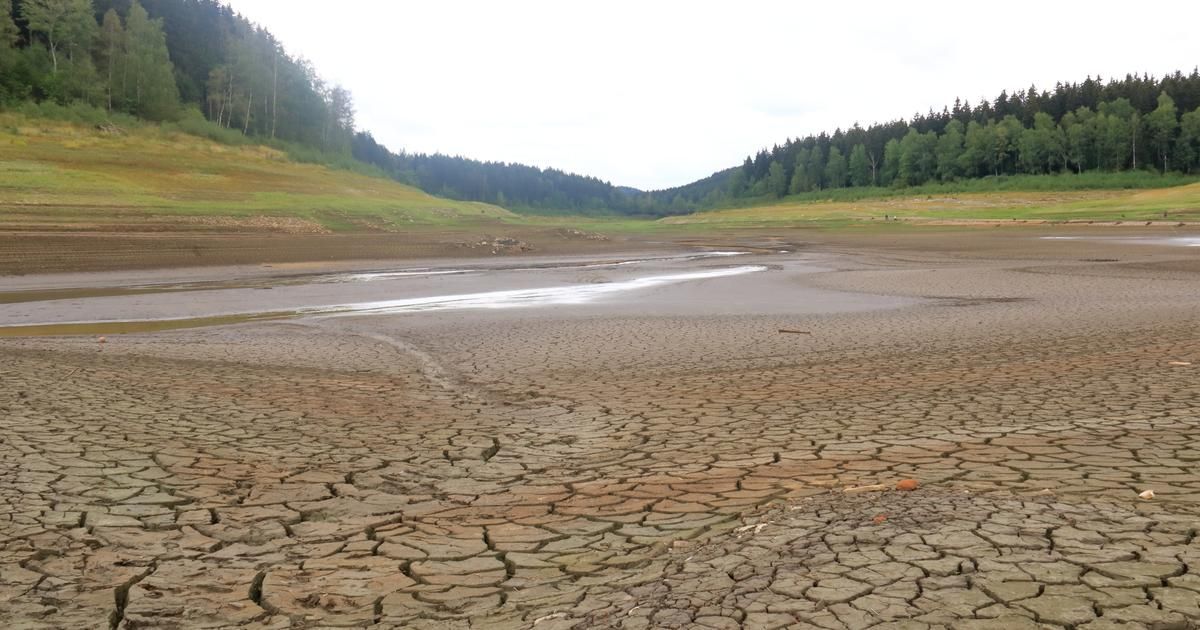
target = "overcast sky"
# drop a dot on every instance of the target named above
(658, 94)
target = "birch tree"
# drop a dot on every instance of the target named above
(66, 25)
(111, 55)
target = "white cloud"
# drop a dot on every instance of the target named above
(657, 94)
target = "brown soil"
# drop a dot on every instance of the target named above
(668, 460)
(25, 252)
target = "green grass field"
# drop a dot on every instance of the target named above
(66, 176)
(1179, 203)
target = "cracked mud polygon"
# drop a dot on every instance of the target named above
(665, 459)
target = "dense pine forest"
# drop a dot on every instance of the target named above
(197, 65)
(185, 61)
(1137, 123)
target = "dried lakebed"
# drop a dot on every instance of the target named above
(661, 457)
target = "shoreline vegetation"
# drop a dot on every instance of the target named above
(75, 167)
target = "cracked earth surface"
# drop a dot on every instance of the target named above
(579, 469)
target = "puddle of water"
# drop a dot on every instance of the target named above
(1174, 241)
(570, 294)
(574, 294)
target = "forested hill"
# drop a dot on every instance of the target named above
(515, 186)
(168, 60)
(1139, 123)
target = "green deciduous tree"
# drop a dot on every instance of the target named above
(151, 91)
(949, 152)
(1006, 138)
(8, 28)
(110, 53)
(1079, 137)
(1041, 147)
(12, 84)
(66, 25)
(1118, 136)
(835, 169)
(1187, 147)
(1161, 126)
(800, 180)
(1112, 142)
(859, 166)
(977, 146)
(816, 169)
(777, 183)
(340, 122)
(891, 164)
(918, 158)
(735, 187)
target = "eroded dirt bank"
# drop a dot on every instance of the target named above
(666, 459)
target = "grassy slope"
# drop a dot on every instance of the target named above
(1181, 203)
(62, 176)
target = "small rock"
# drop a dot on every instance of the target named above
(908, 485)
(1147, 495)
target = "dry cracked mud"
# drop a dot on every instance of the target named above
(605, 468)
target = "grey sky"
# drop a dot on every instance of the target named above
(658, 94)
